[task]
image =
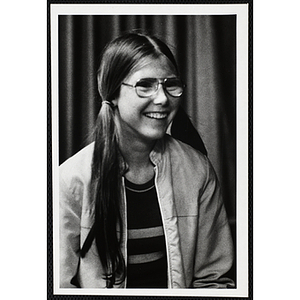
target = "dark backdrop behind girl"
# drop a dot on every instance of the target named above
(205, 49)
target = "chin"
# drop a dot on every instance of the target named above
(155, 136)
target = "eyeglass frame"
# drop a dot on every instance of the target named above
(161, 81)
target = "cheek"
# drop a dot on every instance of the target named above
(128, 110)
(123, 103)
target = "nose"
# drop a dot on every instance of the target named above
(161, 98)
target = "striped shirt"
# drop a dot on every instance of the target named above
(146, 248)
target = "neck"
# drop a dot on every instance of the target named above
(136, 155)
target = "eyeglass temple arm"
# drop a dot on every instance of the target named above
(127, 84)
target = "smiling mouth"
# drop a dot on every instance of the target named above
(156, 115)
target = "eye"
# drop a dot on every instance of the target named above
(173, 83)
(146, 83)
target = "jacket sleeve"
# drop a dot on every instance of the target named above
(214, 248)
(70, 197)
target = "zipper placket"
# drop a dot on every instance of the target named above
(164, 227)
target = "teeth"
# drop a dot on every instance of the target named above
(156, 115)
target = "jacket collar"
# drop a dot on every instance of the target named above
(158, 150)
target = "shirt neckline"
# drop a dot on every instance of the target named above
(139, 187)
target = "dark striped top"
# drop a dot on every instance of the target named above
(146, 248)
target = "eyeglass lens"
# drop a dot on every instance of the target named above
(148, 86)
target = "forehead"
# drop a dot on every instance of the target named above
(156, 68)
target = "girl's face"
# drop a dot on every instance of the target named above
(146, 119)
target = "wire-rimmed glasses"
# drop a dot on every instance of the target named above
(146, 87)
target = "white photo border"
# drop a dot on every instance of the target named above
(242, 67)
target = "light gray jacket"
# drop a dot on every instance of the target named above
(198, 239)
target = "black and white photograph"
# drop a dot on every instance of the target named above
(150, 150)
